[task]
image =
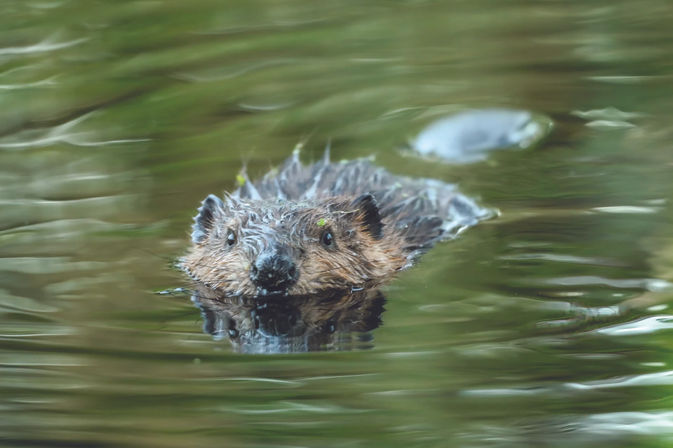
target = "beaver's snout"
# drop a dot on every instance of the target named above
(274, 271)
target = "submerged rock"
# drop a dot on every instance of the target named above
(470, 135)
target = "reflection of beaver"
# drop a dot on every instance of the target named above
(294, 324)
(325, 227)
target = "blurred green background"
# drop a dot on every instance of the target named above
(547, 327)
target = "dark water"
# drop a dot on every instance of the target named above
(549, 326)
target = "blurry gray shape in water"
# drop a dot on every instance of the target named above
(468, 136)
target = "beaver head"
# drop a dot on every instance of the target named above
(262, 247)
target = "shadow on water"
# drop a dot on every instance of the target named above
(286, 324)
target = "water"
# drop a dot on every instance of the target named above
(548, 326)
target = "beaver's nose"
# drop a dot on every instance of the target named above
(274, 272)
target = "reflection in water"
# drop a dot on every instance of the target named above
(285, 324)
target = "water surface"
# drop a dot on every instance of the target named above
(548, 326)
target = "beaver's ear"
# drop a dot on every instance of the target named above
(369, 215)
(211, 207)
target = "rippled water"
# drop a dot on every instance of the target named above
(548, 326)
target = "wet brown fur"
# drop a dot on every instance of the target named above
(293, 206)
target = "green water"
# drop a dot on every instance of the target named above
(546, 327)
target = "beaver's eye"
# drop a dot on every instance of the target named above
(231, 238)
(326, 239)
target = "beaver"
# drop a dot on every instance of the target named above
(321, 228)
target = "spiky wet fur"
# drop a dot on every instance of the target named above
(291, 207)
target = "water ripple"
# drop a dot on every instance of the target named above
(628, 422)
(607, 124)
(274, 381)
(48, 44)
(648, 379)
(63, 229)
(212, 76)
(25, 304)
(291, 406)
(627, 209)
(609, 113)
(61, 134)
(48, 82)
(650, 284)
(642, 326)
(46, 265)
(562, 258)
(664, 378)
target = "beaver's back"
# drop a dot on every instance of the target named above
(419, 209)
